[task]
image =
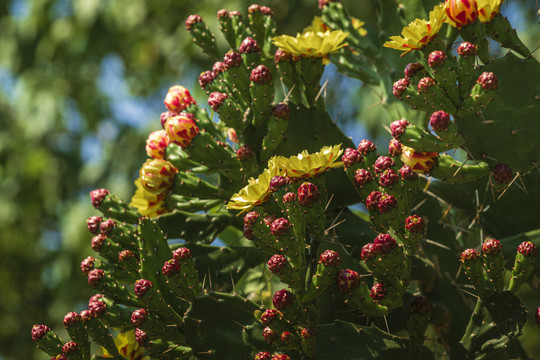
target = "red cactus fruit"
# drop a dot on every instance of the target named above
(269, 316)
(365, 147)
(467, 49)
(289, 197)
(232, 59)
(95, 276)
(412, 68)
(502, 173)
(277, 263)
(142, 286)
(388, 178)
(171, 267)
(488, 80)
(261, 75)
(384, 243)
(527, 248)
(308, 194)
(350, 157)
(347, 280)
(407, 173)
(372, 200)
(424, 84)
(283, 299)
(182, 253)
(439, 120)
(268, 334)
(277, 182)
(386, 203)
(330, 258)
(97, 308)
(280, 226)
(382, 163)
(397, 128)
(107, 226)
(400, 86)
(39, 331)
(249, 45)
(492, 247)
(125, 255)
(362, 177)
(378, 292)
(415, 224)
(248, 232)
(245, 153)
(436, 58)
(140, 336)
(469, 255)
(282, 56)
(192, 20)
(250, 218)
(216, 99)
(368, 252)
(93, 224)
(97, 196)
(281, 111)
(71, 319)
(138, 317)
(70, 348)
(263, 355)
(205, 78)
(87, 264)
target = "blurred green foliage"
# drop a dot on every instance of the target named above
(80, 84)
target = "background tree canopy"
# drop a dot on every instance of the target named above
(81, 84)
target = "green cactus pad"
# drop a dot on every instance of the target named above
(214, 325)
(344, 341)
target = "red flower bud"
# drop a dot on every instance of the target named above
(277, 182)
(269, 316)
(182, 253)
(277, 263)
(468, 255)
(250, 218)
(98, 241)
(362, 177)
(365, 147)
(436, 58)
(415, 224)
(388, 178)
(281, 111)
(527, 248)
(140, 336)
(178, 98)
(283, 299)
(142, 286)
(411, 69)
(398, 127)
(492, 247)
(488, 80)
(70, 348)
(280, 227)
(138, 317)
(281, 56)
(95, 276)
(382, 163)
(107, 226)
(192, 20)
(249, 45)
(368, 252)
(384, 244)
(386, 203)
(330, 258)
(289, 197)
(87, 264)
(261, 75)
(439, 120)
(351, 156)
(263, 355)
(268, 334)
(171, 267)
(181, 129)
(205, 78)
(502, 173)
(218, 68)
(93, 223)
(378, 292)
(39, 331)
(467, 49)
(400, 86)
(347, 280)
(372, 200)
(232, 59)
(97, 196)
(424, 84)
(71, 319)
(407, 173)
(308, 194)
(125, 255)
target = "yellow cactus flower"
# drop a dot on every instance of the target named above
(316, 25)
(146, 203)
(419, 32)
(305, 165)
(127, 346)
(420, 162)
(157, 175)
(311, 43)
(257, 191)
(488, 9)
(461, 12)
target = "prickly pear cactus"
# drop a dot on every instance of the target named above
(242, 239)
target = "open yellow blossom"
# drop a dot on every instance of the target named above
(317, 25)
(311, 43)
(488, 9)
(257, 191)
(127, 346)
(305, 165)
(420, 162)
(419, 32)
(147, 203)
